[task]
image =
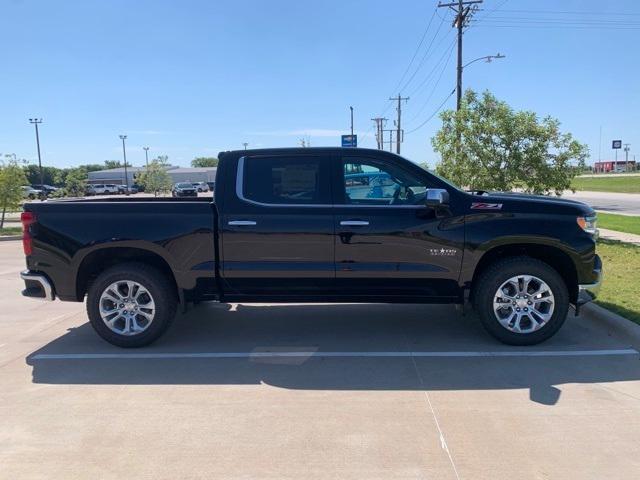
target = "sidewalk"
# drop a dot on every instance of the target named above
(619, 236)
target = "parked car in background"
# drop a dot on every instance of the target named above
(103, 188)
(201, 186)
(123, 189)
(183, 190)
(46, 189)
(211, 185)
(31, 193)
(138, 187)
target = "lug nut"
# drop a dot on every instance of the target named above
(526, 309)
(518, 309)
(529, 303)
(122, 305)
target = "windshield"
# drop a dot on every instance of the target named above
(184, 185)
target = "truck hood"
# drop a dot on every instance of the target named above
(528, 203)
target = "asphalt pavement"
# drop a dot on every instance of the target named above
(310, 391)
(620, 203)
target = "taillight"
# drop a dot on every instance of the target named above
(27, 219)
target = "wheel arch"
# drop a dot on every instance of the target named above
(553, 256)
(99, 260)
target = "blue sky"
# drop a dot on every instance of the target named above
(191, 78)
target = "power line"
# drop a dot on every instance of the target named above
(424, 56)
(574, 27)
(434, 113)
(424, 35)
(444, 54)
(569, 12)
(435, 86)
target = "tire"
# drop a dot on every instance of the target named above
(541, 321)
(153, 285)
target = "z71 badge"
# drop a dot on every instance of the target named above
(443, 252)
(486, 206)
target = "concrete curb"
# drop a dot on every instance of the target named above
(6, 238)
(614, 321)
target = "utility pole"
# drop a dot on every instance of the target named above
(398, 127)
(146, 156)
(390, 141)
(36, 122)
(464, 10)
(124, 154)
(380, 121)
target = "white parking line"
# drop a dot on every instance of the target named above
(263, 354)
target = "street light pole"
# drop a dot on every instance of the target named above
(146, 156)
(124, 154)
(36, 121)
(246, 144)
(351, 108)
(488, 58)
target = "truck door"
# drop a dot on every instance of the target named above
(277, 226)
(388, 243)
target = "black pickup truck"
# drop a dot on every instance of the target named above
(315, 225)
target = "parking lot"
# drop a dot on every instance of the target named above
(310, 391)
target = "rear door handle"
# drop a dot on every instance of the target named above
(354, 223)
(242, 223)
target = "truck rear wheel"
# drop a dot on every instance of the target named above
(131, 305)
(521, 300)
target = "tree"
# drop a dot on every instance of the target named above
(109, 164)
(155, 178)
(486, 145)
(76, 182)
(12, 178)
(200, 162)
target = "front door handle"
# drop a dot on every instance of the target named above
(354, 223)
(242, 223)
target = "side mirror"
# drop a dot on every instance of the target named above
(436, 197)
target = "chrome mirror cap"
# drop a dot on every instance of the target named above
(436, 197)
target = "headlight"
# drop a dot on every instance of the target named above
(588, 224)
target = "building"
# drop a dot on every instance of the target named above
(177, 174)
(191, 175)
(612, 166)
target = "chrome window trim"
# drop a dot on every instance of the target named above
(240, 195)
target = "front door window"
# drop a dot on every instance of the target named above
(371, 182)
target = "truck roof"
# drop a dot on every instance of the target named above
(301, 150)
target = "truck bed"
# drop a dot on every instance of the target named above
(68, 237)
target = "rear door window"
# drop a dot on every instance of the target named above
(286, 180)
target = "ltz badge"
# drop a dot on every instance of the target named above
(443, 252)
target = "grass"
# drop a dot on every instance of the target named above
(620, 223)
(619, 292)
(622, 184)
(10, 231)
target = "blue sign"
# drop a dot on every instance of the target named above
(349, 140)
(615, 144)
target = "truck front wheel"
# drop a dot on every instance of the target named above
(131, 305)
(521, 300)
